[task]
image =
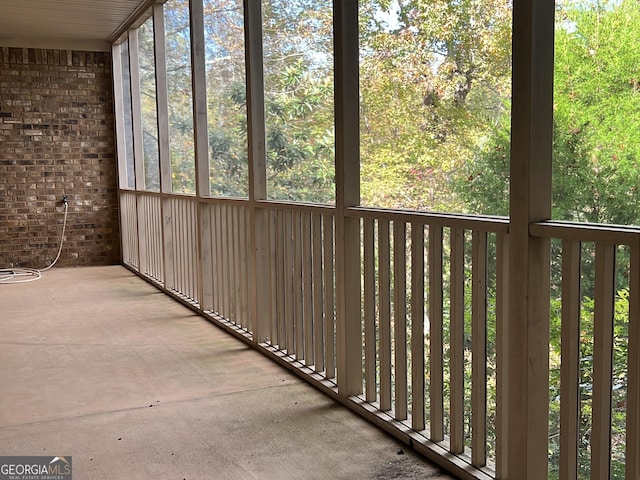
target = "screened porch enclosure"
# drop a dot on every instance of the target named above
(434, 326)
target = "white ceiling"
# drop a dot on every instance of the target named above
(65, 24)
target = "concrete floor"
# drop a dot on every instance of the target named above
(99, 365)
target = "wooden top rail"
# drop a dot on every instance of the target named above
(267, 204)
(469, 222)
(587, 232)
(299, 206)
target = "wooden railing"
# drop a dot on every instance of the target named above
(433, 294)
(591, 441)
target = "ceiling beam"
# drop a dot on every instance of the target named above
(55, 43)
(135, 19)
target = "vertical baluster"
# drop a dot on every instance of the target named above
(231, 263)
(157, 213)
(502, 337)
(307, 289)
(149, 240)
(124, 226)
(174, 242)
(246, 248)
(236, 267)
(188, 250)
(171, 241)
(168, 240)
(153, 218)
(159, 241)
(159, 255)
(282, 285)
(329, 297)
(135, 231)
(479, 350)
(234, 262)
(194, 251)
(400, 316)
(178, 245)
(197, 250)
(417, 328)
(241, 266)
(456, 355)
(224, 250)
(274, 339)
(570, 360)
(632, 454)
(217, 263)
(436, 349)
(243, 260)
(177, 241)
(146, 238)
(142, 235)
(151, 236)
(602, 361)
(182, 252)
(194, 226)
(297, 286)
(288, 276)
(158, 238)
(218, 266)
(318, 322)
(205, 272)
(369, 310)
(384, 297)
(127, 226)
(184, 246)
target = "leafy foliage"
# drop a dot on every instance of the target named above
(298, 65)
(433, 79)
(226, 97)
(596, 146)
(181, 140)
(585, 382)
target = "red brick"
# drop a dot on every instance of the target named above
(57, 138)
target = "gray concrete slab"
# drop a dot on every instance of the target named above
(98, 365)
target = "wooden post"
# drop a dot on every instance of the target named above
(530, 201)
(260, 273)
(123, 178)
(204, 273)
(118, 93)
(348, 283)
(502, 347)
(632, 453)
(603, 322)
(136, 109)
(570, 362)
(138, 149)
(162, 98)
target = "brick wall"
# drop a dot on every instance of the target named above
(57, 138)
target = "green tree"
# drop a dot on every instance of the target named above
(585, 385)
(595, 179)
(596, 145)
(298, 63)
(433, 78)
(178, 58)
(226, 97)
(597, 90)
